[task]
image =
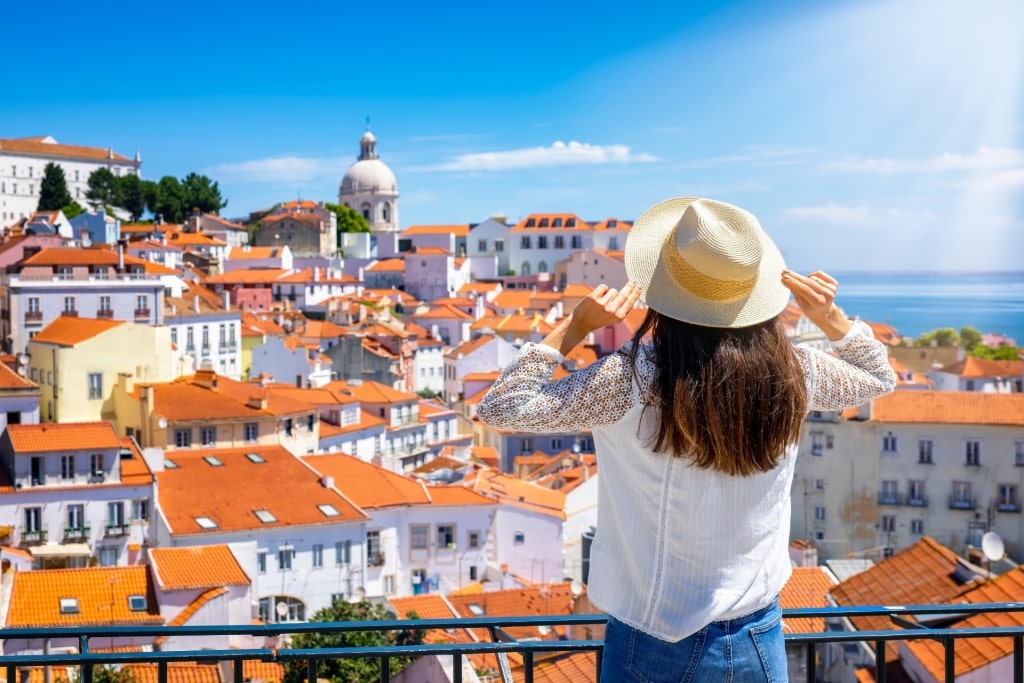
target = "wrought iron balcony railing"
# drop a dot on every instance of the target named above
(502, 643)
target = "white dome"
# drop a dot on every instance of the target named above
(368, 137)
(369, 175)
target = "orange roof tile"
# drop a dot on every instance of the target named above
(65, 436)
(949, 407)
(247, 276)
(371, 392)
(431, 251)
(195, 239)
(977, 368)
(251, 252)
(613, 223)
(36, 597)
(230, 494)
(468, 347)
(523, 494)
(194, 398)
(542, 221)
(367, 485)
(177, 672)
(196, 567)
(459, 230)
(9, 379)
(134, 470)
(387, 265)
(38, 146)
(68, 330)
(807, 587)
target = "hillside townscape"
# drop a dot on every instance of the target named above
(213, 420)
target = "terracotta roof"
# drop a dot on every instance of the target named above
(949, 407)
(69, 330)
(367, 485)
(134, 470)
(205, 566)
(321, 329)
(307, 276)
(807, 587)
(522, 494)
(539, 218)
(978, 368)
(443, 312)
(514, 324)
(245, 253)
(459, 230)
(229, 494)
(372, 392)
(78, 256)
(194, 398)
(612, 223)
(37, 146)
(65, 436)
(306, 218)
(468, 347)
(177, 672)
(36, 597)
(925, 573)
(195, 239)
(9, 379)
(431, 251)
(247, 276)
(387, 265)
(224, 223)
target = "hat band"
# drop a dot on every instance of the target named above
(696, 282)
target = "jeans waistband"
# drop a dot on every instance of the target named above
(752, 616)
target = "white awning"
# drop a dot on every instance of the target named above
(61, 550)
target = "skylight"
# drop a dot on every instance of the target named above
(329, 510)
(255, 457)
(69, 605)
(137, 603)
(206, 523)
(170, 464)
(265, 516)
(476, 609)
(213, 460)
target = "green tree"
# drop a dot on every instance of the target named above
(349, 220)
(133, 193)
(106, 673)
(945, 336)
(996, 352)
(73, 209)
(53, 191)
(351, 670)
(969, 338)
(103, 188)
(202, 193)
(170, 200)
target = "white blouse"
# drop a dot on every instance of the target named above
(677, 547)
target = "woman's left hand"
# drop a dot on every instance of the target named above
(604, 306)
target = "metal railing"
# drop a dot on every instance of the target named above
(502, 643)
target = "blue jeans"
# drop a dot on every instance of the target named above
(745, 650)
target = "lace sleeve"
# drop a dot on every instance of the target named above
(525, 399)
(860, 373)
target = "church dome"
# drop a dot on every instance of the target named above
(369, 174)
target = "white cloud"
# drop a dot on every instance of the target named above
(831, 213)
(766, 156)
(558, 154)
(982, 160)
(287, 169)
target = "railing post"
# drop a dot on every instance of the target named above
(950, 661)
(811, 663)
(385, 669)
(236, 666)
(598, 660)
(457, 668)
(86, 669)
(528, 666)
(311, 672)
(880, 661)
(161, 671)
(1018, 659)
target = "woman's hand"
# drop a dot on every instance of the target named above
(815, 294)
(603, 306)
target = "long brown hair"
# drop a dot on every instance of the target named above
(729, 399)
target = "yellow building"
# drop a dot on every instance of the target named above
(76, 362)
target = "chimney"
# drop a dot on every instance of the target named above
(864, 411)
(327, 481)
(195, 302)
(227, 301)
(258, 402)
(120, 256)
(316, 274)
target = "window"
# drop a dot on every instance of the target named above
(33, 304)
(206, 337)
(265, 516)
(1018, 453)
(915, 492)
(285, 555)
(472, 573)
(108, 557)
(373, 553)
(1008, 497)
(96, 464)
(95, 385)
(527, 445)
(288, 427)
(481, 245)
(69, 304)
(251, 431)
(137, 603)
(499, 245)
(105, 304)
(889, 443)
(115, 514)
(972, 453)
(33, 520)
(310, 421)
(445, 536)
(916, 526)
(819, 513)
(474, 539)
(343, 552)
(418, 536)
(819, 484)
(76, 517)
(206, 523)
(817, 443)
(519, 538)
(524, 242)
(389, 584)
(208, 436)
(542, 242)
(140, 510)
(543, 222)
(961, 498)
(190, 341)
(890, 493)
(830, 441)
(576, 242)
(261, 562)
(67, 467)
(924, 451)
(888, 523)
(69, 605)
(318, 555)
(328, 510)
(969, 385)
(183, 438)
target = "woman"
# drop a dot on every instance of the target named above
(695, 432)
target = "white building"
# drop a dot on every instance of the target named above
(482, 354)
(22, 161)
(369, 187)
(489, 239)
(204, 329)
(979, 374)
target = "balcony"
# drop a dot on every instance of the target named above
(105, 313)
(76, 533)
(890, 498)
(802, 647)
(375, 560)
(958, 502)
(116, 530)
(33, 316)
(1008, 506)
(142, 314)
(33, 537)
(917, 501)
(71, 313)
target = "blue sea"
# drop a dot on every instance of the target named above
(915, 303)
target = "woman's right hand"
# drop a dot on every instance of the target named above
(815, 294)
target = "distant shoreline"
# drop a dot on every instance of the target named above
(936, 273)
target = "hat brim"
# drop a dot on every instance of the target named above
(646, 266)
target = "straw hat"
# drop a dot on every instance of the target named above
(706, 262)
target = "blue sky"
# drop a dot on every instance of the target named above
(864, 135)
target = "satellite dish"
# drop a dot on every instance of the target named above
(576, 587)
(282, 609)
(22, 359)
(992, 546)
(544, 629)
(22, 371)
(162, 423)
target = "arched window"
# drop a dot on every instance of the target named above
(366, 211)
(542, 267)
(525, 269)
(282, 608)
(387, 211)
